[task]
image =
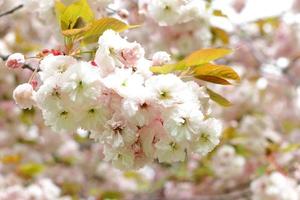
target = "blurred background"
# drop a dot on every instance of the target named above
(258, 157)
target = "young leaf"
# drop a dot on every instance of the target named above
(219, 34)
(216, 73)
(290, 148)
(218, 98)
(59, 10)
(78, 9)
(76, 32)
(200, 57)
(91, 32)
(205, 56)
(30, 170)
(164, 69)
(219, 13)
(261, 170)
(11, 159)
(98, 27)
(213, 79)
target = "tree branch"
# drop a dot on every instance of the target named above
(26, 66)
(12, 10)
(3, 57)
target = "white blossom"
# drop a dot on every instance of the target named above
(227, 163)
(184, 122)
(208, 136)
(169, 150)
(161, 58)
(170, 12)
(136, 115)
(276, 186)
(82, 83)
(54, 65)
(24, 95)
(166, 90)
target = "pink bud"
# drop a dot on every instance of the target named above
(161, 58)
(56, 52)
(34, 83)
(16, 60)
(23, 95)
(46, 51)
(94, 63)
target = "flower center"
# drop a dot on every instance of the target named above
(174, 146)
(92, 111)
(164, 94)
(64, 114)
(167, 8)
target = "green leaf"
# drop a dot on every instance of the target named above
(59, 10)
(98, 27)
(92, 31)
(70, 15)
(202, 171)
(242, 150)
(164, 69)
(76, 32)
(218, 98)
(229, 133)
(213, 79)
(11, 159)
(26, 116)
(204, 56)
(219, 13)
(219, 34)
(290, 148)
(71, 188)
(216, 73)
(261, 170)
(30, 170)
(111, 195)
(200, 57)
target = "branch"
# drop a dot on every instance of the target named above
(26, 66)
(12, 10)
(3, 57)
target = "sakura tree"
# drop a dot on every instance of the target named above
(160, 99)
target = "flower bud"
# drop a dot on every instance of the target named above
(16, 60)
(23, 95)
(160, 58)
(123, 13)
(34, 83)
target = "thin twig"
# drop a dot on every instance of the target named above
(26, 66)
(12, 10)
(3, 57)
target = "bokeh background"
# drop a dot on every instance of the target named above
(258, 157)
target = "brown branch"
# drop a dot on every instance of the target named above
(3, 57)
(12, 10)
(26, 66)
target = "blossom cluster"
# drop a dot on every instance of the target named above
(43, 189)
(170, 12)
(138, 116)
(258, 156)
(275, 186)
